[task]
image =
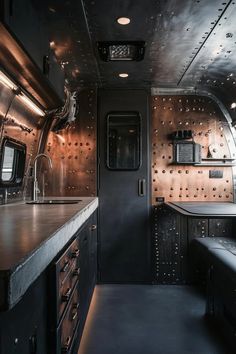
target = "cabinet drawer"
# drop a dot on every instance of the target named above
(65, 275)
(66, 290)
(69, 324)
(67, 262)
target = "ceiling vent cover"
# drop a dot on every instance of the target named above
(121, 51)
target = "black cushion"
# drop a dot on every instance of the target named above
(218, 251)
(224, 261)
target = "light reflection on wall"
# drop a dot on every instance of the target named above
(73, 152)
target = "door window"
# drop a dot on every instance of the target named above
(123, 141)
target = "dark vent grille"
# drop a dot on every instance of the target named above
(121, 51)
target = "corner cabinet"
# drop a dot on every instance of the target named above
(50, 317)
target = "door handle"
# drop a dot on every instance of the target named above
(141, 187)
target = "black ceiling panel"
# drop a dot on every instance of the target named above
(189, 43)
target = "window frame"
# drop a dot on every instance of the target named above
(18, 162)
(123, 113)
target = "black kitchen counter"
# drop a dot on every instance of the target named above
(30, 238)
(204, 209)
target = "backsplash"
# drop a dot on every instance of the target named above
(183, 182)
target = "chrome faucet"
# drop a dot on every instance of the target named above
(36, 188)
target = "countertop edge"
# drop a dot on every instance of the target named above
(182, 211)
(25, 274)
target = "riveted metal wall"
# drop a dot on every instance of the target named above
(21, 124)
(169, 250)
(210, 129)
(74, 153)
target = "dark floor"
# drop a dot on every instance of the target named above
(146, 319)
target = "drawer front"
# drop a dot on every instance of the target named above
(66, 261)
(69, 324)
(66, 289)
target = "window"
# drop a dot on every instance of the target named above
(12, 162)
(123, 141)
(8, 163)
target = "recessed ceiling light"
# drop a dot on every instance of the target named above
(123, 21)
(52, 44)
(123, 75)
(233, 105)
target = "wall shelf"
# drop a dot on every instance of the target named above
(219, 164)
(210, 162)
(218, 159)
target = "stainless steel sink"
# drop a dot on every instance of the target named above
(55, 201)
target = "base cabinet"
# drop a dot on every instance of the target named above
(23, 329)
(72, 280)
(50, 317)
(173, 233)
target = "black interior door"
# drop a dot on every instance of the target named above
(124, 186)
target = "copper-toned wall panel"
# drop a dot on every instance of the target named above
(73, 151)
(188, 182)
(23, 125)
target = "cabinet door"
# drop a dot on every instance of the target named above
(24, 328)
(56, 75)
(197, 227)
(93, 250)
(28, 25)
(220, 227)
(84, 267)
(25, 23)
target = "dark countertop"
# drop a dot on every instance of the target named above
(204, 209)
(30, 238)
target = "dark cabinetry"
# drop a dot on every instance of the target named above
(169, 247)
(208, 227)
(51, 315)
(24, 328)
(172, 236)
(72, 280)
(88, 272)
(28, 25)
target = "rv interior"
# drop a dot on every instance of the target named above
(117, 177)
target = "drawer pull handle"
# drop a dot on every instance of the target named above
(75, 254)
(76, 272)
(66, 346)
(94, 227)
(74, 315)
(66, 265)
(66, 296)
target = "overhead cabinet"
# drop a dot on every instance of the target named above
(26, 24)
(29, 28)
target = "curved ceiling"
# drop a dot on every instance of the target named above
(189, 43)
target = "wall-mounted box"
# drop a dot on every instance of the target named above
(186, 152)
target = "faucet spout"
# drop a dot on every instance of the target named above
(35, 188)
